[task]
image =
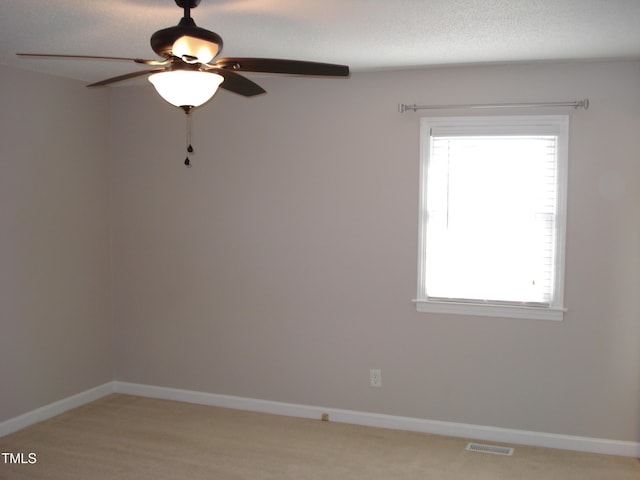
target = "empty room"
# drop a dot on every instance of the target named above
(267, 239)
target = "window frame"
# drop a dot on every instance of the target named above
(524, 124)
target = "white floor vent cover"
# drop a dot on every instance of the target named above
(496, 450)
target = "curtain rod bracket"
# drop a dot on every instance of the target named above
(575, 104)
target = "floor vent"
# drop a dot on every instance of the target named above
(496, 450)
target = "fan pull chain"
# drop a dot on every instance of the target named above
(187, 161)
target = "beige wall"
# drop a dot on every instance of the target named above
(283, 264)
(56, 334)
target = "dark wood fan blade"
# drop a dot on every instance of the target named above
(236, 83)
(126, 76)
(93, 57)
(292, 67)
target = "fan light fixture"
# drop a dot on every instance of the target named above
(186, 89)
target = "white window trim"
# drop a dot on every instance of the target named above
(556, 310)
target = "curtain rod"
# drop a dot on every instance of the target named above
(575, 104)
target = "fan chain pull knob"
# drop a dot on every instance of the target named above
(187, 162)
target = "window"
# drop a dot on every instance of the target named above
(492, 216)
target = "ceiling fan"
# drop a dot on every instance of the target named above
(188, 74)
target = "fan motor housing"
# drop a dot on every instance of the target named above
(187, 3)
(162, 41)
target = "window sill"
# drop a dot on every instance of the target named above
(489, 310)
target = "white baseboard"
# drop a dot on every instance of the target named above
(55, 408)
(477, 432)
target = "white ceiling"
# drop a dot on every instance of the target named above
(364, 34)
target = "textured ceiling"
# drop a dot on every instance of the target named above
(364, 34)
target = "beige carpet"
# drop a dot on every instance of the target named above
(126, 437)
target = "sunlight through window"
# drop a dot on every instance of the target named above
(489, 222)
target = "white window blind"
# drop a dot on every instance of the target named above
(492, 221)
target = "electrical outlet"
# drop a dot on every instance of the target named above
(375, 376)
